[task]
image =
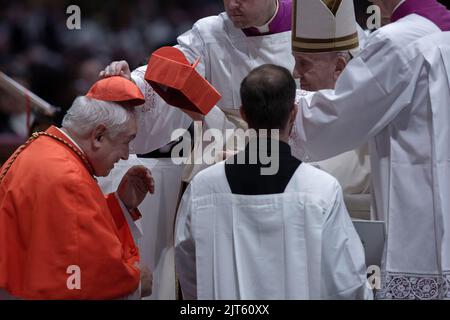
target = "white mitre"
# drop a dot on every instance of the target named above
(324, 26)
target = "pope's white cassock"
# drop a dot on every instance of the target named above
(300, 244)
(395, 95)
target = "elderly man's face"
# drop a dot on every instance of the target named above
(249, 13)
(317, 71)
(109, 150)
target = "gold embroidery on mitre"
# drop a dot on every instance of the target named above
(333, 5)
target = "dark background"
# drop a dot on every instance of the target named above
(58, 64)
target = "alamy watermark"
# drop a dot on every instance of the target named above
(374, 20)
(373, 277)
(74, 279)
(73, 22)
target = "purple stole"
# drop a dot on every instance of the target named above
(429, 9)
(281, 23)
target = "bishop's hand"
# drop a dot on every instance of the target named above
(135, 185)
(117, 68)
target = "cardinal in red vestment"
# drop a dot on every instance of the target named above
(60, 237)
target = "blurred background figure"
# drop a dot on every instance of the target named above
(60, 63)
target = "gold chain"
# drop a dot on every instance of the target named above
(34, 137)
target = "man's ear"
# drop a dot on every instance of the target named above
(97, 136)
(341, 63)
(292, 117)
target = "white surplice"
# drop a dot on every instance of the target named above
(395, 95)
(300, 244)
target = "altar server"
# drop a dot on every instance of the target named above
(242, 234)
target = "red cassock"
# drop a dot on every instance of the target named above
(53, 215)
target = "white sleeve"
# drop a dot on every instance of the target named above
(362, 36)
(135, 226)
(343, 269)
(136, 232)
(185, 248)
(369, 94)
(157, 120)
(216, 119)
(192, 45)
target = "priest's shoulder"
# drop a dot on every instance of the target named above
(403, 32)
(211, 180)
(428, 45)
(310, 179)
(212, 28)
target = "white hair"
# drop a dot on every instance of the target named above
(86, 113)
